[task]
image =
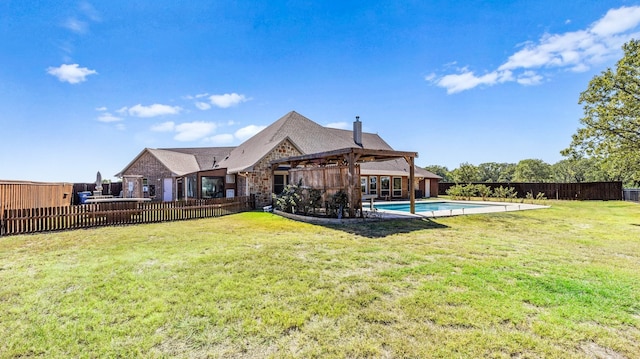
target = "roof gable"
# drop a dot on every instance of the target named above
(176, 162)
(306, 135)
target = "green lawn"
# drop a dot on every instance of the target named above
(558, 282)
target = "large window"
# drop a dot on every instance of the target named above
(397, 186)
(212, 187)
(363, 184)
(385, 186)
(279, 182)
(373, 185)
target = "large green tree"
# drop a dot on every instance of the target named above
(571, 170)
(532, 170)
(441, 171)
(466, 173)
(496, 172)
(611, 122)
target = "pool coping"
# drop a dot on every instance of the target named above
(489, 207)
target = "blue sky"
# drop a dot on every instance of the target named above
(85, 86)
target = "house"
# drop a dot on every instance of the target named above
(252, 167)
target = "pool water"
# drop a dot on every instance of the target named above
(429, 206)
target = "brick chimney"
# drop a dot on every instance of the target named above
(357, 131)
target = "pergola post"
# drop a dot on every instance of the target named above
(412, 191)
(351, 187)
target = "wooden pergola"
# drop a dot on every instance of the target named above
(350, 157)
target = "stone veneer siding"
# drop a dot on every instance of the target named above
(261, 179)
(153, 170)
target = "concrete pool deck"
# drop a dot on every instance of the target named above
(487, 207)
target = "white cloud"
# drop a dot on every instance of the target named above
(76, 25)
(153, 110)
(203, 106)
(222, 139)
(467, 80)
(339, 125)
(529, 78)
(248, 131)
(192, 131)
(617, 21)
(121, 127)
(72, 74)
(101, 109)
(227, 100)
(168, 126)
(107, 117)
(573, 51)
(89, 11)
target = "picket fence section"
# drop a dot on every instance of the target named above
(22, 221)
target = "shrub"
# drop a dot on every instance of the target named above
(291, 198)
(462, 191)
(538, 197)
(338, 203)
(505, 193)
(483, 191)
(312, 199)
(455, 191)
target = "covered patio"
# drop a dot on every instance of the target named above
(350, 158)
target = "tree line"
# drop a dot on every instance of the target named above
(605, 148)
(568, 170)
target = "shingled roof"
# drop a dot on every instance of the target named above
(206, 157)
(308, 136)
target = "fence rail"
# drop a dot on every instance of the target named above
(22, 221)
(575, 191)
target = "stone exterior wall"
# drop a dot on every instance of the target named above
(261, 179)
(151, 169)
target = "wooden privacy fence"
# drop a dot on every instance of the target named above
(580, 191)
(21, 221)
(112, 188)
(24, 194)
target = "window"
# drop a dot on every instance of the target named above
(385, 185)
(373, 185)
(212, 187)
(397, 186)
(191, 186)
(279, 182)
(363, 184)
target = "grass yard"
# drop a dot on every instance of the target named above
(559, 282)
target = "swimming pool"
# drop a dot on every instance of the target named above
(429, 206)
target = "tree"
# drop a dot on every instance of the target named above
(507, 173)
(441, 171)
(495, 172)
(466, 173)
(532, 170)
(573, 170)
(611, 104)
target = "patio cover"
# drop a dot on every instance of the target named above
(351, 156)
